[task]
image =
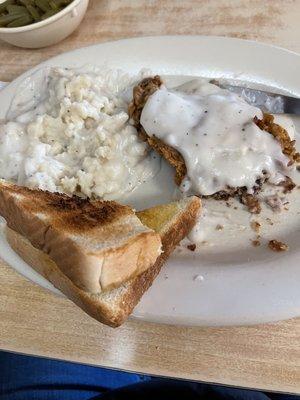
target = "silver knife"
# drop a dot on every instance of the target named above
(266, 101)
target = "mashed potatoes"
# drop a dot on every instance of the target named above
(68, 131)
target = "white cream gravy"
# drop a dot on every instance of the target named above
(213, 129)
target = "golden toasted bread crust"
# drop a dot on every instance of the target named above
(42, 263)
(170, 239)
(99, 245)
(70, 213)
(104, 311)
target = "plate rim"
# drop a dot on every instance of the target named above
(261, 45)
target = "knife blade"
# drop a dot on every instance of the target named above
(266, 101)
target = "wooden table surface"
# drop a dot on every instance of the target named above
(34, 321)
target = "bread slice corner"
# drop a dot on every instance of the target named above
(172, 221)
(98, 244)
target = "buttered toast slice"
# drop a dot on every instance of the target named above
(98, 245)
(172, 221)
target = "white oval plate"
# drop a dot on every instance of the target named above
(239, 284)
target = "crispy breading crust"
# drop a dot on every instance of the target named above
(277, 246)
(280, 134)
(141, 93)
(148, 86)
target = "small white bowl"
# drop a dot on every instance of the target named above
(50, 31)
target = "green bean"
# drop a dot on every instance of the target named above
(15, 9)
(26, 3)
(43, 5)
(49, 13)
(6, 19)
(21, 21)
(34, 12)
(5, 4)
(59, 3)
(54, 5)
(14, 13)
